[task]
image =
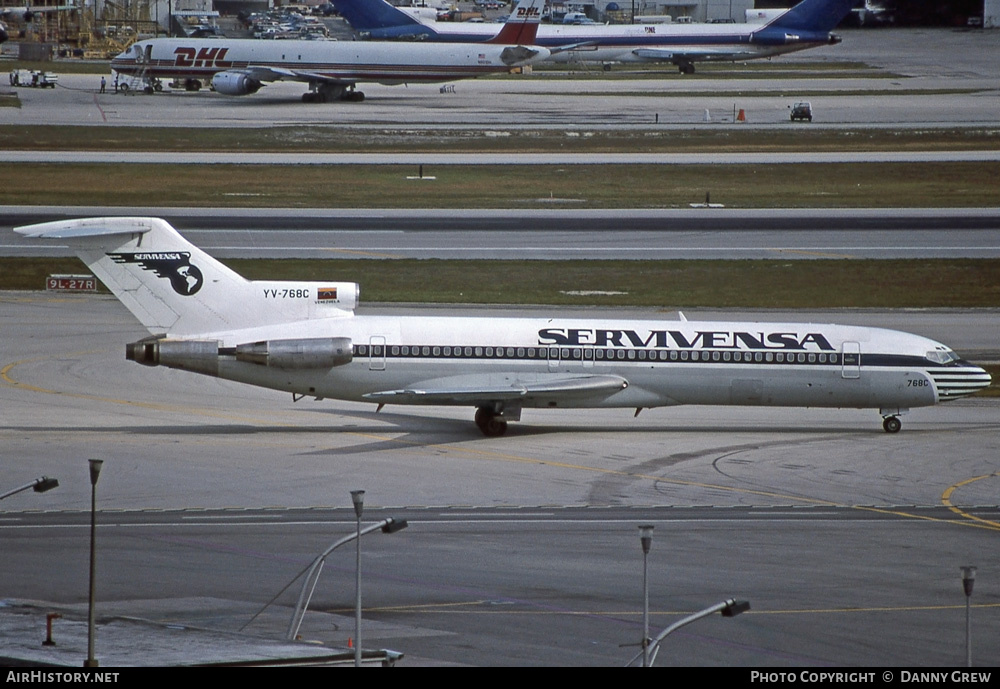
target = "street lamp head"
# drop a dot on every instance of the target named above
(95, 470)
(735, 607)
(968, 579)
(646, 537)
(45, 483)
(358, 498)
(394, 525)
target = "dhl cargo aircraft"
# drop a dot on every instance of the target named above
(239, 67)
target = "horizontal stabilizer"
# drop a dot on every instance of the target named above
(86, 227)
(667, 54)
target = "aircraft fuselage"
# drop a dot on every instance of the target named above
(346, 61)
(663, 362)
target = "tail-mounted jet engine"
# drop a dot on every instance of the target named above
(202, 356)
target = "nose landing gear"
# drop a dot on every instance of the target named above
(891, 424)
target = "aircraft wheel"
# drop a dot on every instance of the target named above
(492, 425)
(482, 415)
(308, 97)
(355, 96)
(891, 424)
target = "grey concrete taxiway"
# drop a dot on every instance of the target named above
(707, 233)
(67, 389)
(925, 78)
(848, 546)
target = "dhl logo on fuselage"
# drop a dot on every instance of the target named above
(205, 57)
(528, 12)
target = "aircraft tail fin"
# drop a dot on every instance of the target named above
(818, 16)
(522, 25)
(371, 15)
(174, 288)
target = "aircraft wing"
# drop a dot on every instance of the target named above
(467, 391)
(556, 49)
(690, 54)
(261, 73)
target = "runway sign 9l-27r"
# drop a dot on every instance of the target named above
(71, 283)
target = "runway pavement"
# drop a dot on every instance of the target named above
(68, 391)
(846, 540)
(708, 233)
(416, 159)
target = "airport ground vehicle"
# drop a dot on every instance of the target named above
(802, 111)
(35, 78)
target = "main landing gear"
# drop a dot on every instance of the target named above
(327, 93)
(490, 423)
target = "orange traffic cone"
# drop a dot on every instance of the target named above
(350, 642)
(742, 117)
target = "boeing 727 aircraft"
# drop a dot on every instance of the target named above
(304, 338)
(239, 67)
(807, 25)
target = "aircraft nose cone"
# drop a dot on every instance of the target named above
(959, 380)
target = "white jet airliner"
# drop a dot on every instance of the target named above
(807, 25)
(304, 338)
(239, 67)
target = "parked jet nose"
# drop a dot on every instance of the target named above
(128, 60)
(119, 61)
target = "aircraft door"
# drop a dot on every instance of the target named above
(376, 358)
(850, 360)
(553, 358)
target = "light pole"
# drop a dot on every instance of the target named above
(95, 473)
(646, 538)
(968, 579)
(39, 484)
(387, 526)
(358, 498)
(728, 608)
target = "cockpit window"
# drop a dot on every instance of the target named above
(942, 356)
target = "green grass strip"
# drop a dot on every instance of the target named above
(799, 284)
(919, 185)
